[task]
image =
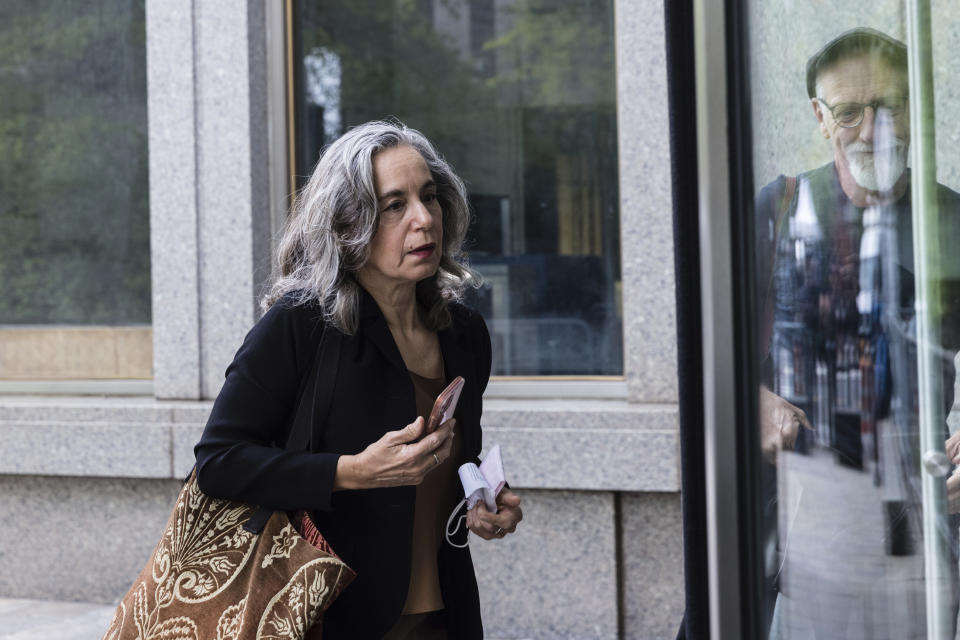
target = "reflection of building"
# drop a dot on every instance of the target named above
(520, 97)
(595, 458)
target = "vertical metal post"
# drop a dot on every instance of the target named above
(281, 170)
(716, 277)
(927, 266)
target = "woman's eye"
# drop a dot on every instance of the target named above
(396, 205)
(430, 197)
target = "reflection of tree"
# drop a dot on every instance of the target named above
(551, 56)
(394, 63)
(519, 95)
(557, 52)
(73, 168)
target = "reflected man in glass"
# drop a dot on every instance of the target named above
(836, 289)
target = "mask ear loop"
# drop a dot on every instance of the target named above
(456, 528)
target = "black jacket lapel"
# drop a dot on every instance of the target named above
(459, 361)
(374, 327)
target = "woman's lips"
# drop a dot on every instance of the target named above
(423, 251)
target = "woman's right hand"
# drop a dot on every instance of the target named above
(396, 459)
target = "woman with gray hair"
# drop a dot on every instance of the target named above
(372, 250)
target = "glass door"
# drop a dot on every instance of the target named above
(844, 228)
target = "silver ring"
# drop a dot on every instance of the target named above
(499, 531)
(437, 458)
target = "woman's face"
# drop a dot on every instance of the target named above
(409, 239)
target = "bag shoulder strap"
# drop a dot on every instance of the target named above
(313, 403)
(789, 189)
(315, 398)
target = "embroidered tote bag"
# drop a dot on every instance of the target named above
(225, 570)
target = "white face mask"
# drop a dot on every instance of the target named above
(453, 516)
(479, 483)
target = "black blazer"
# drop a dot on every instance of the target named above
(240, 454)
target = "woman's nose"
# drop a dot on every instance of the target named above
(422, 216)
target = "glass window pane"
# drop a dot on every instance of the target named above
(74, 246)
(858, 301)
(519, 96)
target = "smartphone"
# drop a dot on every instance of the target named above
(445, 404)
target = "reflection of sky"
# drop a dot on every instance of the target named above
(323, 76)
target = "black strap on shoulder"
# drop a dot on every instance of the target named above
(315, 398)
(790, 188)
(789, 191)
(313, 404)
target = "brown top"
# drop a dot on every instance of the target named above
(436, 496)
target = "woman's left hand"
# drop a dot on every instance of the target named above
(496, 525)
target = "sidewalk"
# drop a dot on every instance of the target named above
(46, 620)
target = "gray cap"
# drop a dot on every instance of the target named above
(853, 42)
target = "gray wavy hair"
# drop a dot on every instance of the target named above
(327, 237)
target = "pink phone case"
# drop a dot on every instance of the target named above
(445, 404)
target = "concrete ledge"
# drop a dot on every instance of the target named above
(99, 437)
(579, 414)
(86, 449)
(547, 444)
(589, 459)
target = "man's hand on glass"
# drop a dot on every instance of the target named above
(780, 424)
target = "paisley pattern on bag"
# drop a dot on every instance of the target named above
(149, 627)
(208, 578)
(231, 622)
(292, 611)
(203, 548)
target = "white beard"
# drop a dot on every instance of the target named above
(876, 169)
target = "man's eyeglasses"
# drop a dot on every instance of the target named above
(850, 114)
